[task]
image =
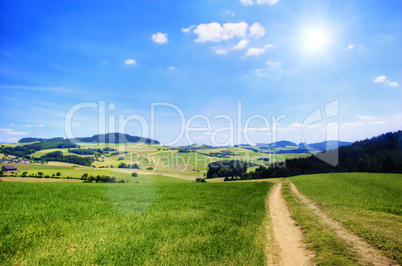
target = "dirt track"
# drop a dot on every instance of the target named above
(367, 254)
(287, 234)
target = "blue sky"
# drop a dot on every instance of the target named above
(221, 62)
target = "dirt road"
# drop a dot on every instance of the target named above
(287, 234)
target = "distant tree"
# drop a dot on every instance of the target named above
(24, 174)
(1, 173)
(58, 174)
(40, 174)
(134, 174)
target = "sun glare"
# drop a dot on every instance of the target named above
(314, 40)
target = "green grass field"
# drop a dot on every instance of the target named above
(369, 204)
(77, 172)
(145, 223)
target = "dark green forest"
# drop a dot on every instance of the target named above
(25, 150)
(57, 156)
(381, 154)
(117, 138)
(227, 168)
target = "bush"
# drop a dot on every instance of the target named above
(134, 174)
(47, 176)
(200, 180)
(150, 168)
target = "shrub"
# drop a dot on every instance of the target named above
(200, 180)
(134, 174)
(47, 176)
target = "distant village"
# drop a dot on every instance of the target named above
(16, 160)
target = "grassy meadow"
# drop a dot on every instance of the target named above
(69, 170)
(135, 223)
(369, 204)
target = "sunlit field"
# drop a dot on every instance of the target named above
(145, 223)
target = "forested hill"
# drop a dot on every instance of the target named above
(378, 154)
(27, 140)
(117, 138)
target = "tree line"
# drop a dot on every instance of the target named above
(233, 168)
(24, 151)
(116, 138)
(57, 156)
(381, 154)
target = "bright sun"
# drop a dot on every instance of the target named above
(314, 40)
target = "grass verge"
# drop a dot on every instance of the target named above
(368, 204)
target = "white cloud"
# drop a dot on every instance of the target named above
(380, 79)
(160, 37)
(172, 68)
(257, 51)
(270, 2)
(366, 117)
(186, 30)
(12, 132)
(130, 62)
(241, 45)
(261, 72)
(384, 79)
(27, 125)
(16, 133)
(215, 32)
(352, 124)
(219, 50)
(48, 89)
(260, 2)
(228, 12)
(355, 47)
(273, 64)
(271, 71)
(256, 30)
(247, 2)
(377, 123)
